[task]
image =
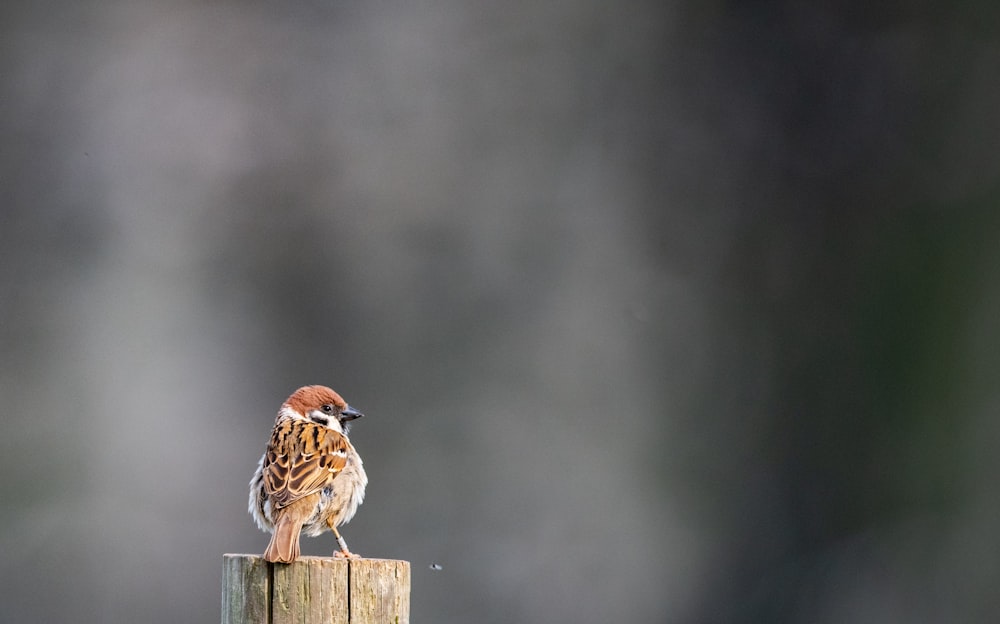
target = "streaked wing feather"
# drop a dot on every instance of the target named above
(302, 458)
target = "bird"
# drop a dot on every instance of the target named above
(310, 477)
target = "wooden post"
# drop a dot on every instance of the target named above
(315, 589)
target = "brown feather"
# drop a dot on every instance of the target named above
(309, 397)
(284, 545)
(302, 459)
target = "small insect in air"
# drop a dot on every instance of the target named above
(435, 566)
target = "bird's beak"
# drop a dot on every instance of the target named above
(350, 413)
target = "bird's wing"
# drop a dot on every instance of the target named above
(302, 458)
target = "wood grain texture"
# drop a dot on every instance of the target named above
(315, 589)
(311, 589)
(380, 591)
(246, 590)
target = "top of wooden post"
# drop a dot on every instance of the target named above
(315, 589)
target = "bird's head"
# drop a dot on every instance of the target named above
(320, 405)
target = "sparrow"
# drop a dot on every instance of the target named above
(310, 478)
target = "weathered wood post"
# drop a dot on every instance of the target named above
(315, 589)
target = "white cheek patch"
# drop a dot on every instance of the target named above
(317, 416)
(328, 421)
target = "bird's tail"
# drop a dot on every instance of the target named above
(284, 546)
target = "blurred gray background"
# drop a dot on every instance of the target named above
(660, 312)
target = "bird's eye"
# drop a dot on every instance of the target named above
(327, 408)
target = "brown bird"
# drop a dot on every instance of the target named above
(310, 478)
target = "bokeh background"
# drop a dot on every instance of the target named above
(659, 311)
